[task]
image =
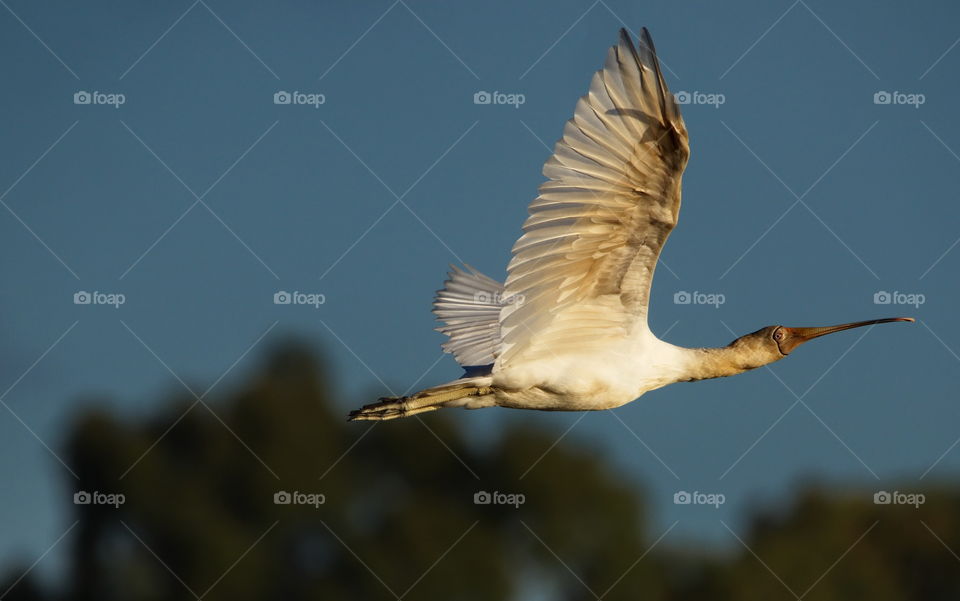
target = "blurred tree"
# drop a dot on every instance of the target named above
(835, 545)
(17, 584)
(399, 516)
(200, 518)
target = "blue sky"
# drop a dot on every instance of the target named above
(198, 198)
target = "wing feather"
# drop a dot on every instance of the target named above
(581, 271)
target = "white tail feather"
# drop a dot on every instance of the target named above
(469, 304)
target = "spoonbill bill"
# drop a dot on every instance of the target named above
(568, 329)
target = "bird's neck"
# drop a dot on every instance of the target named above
(719, 362)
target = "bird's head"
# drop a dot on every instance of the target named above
(772, 343)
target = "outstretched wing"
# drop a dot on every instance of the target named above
(580, 274)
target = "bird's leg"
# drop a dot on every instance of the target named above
(387, 414)
(427, 400)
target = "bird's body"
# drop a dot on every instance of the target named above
(575, 381)
(593, 380)
(568, 329)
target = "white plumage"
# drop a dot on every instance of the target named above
(469, 305)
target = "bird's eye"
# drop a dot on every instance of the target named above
(778, 335)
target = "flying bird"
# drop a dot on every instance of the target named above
(568, 329)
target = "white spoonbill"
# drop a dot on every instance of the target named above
(568, 329)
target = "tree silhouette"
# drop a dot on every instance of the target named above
(398, 515)
(393, 515)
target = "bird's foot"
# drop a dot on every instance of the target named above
(391, 407)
